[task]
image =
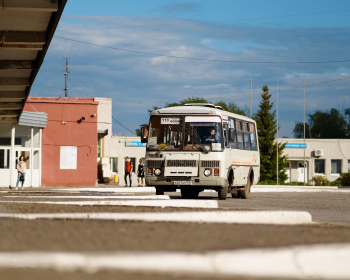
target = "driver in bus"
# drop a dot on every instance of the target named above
(213, 137)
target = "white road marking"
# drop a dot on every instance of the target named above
(112, 190)
(245, 217)
(189, 203)
(323, 261)
(268, 188)
(136, 197)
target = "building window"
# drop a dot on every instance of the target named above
(4, 159)
(114, 165)
(23, 136)
(133, 160)
(36, 159)
(336, 166)
(5, 135)
(36, 137)
(319, 166)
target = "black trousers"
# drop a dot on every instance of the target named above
(130, 177)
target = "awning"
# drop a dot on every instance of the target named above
(34, 119)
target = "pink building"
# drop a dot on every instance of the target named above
(69, 140)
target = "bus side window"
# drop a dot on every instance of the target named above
(239, 132)
(226, 135)
(246, 136)
(252, 135)
(232, 134)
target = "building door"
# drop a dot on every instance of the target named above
(31, 158)
(5, 155)
(288, 172)
(301, 172)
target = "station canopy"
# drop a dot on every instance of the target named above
(26, 30)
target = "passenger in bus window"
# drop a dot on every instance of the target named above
(213, 137)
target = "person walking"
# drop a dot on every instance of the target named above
(140, 173)
(21, 168)
(128, 171)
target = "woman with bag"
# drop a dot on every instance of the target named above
(21, 168)
(140, 173)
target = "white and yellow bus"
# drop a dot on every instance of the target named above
(200, 146)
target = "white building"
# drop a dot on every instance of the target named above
(114, 149)
(325, 157)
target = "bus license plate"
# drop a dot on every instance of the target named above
(182, 183)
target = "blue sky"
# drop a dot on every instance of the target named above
(146, 53)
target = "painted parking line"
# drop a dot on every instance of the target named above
(136, 197)
(149, 203)
(268, 188)
(323, 261)
(107, 190)
(229, 217)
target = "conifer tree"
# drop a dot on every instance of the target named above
(266, 125)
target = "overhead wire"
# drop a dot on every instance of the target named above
(133, 132)
(204, 21)
(204, 59)
(237, 95)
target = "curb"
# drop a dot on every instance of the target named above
(226, 217)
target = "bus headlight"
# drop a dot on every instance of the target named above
(207, 172)
(157, 172)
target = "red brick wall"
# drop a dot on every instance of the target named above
(83, 135)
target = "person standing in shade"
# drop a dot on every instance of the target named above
(140, 173)
(21, 168)
(128, 171)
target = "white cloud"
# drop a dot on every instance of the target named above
(118, 71)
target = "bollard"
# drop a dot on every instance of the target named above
(116, 179)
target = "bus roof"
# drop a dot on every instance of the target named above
(198, 109)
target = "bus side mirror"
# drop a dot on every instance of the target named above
(144, 134)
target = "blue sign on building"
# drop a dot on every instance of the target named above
(296, 146)
(134, 144)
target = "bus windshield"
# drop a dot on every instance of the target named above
(202, 133)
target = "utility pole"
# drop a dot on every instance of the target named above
(277, 133)
(66, 78)
(304, 139)
(251, 84)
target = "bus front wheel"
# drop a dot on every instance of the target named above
(222, 192)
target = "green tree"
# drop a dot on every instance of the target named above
(187, 100)
(266, 125)
(230, 107)
(298, 130)
(332, 124)
(233, 108)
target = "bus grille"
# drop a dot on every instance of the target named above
(210, 163)
(181, 163)
(154, 163)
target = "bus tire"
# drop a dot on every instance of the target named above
(159, 190)
(222, 192)
(189, 193)
(244, 192)
(234, 192)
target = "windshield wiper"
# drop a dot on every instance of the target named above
(161, 147)
(204, 150)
